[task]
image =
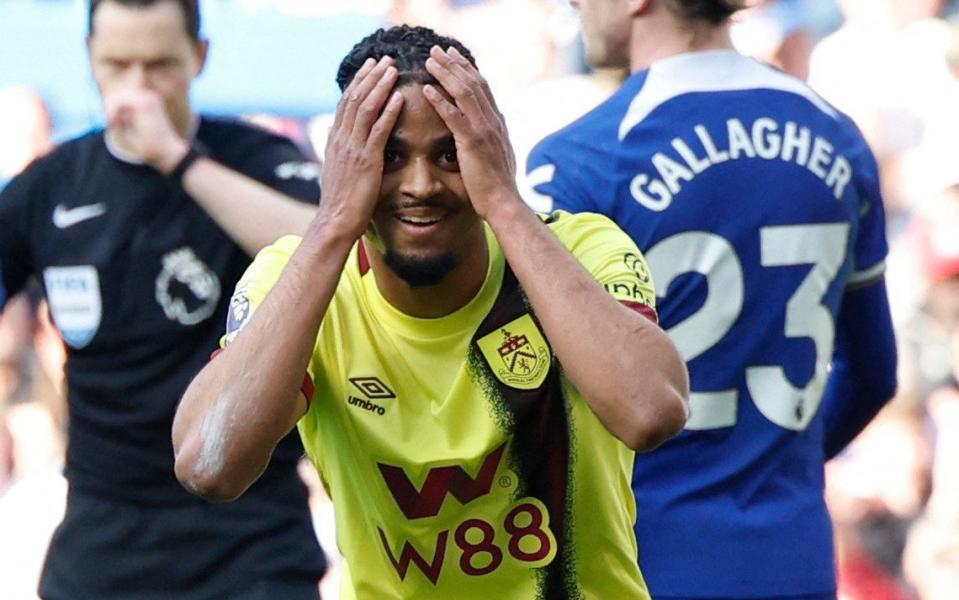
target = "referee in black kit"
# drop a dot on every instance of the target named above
(137, 235)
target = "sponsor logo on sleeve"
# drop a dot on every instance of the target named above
(627, 290)
(638, 289)
(637, 265)
(238, 314)
(73, 294)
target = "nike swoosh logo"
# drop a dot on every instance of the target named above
(68, 217)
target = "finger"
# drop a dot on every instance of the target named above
(117, 119)
(459, 66)
(355, 98)
(116, 110)
(113, 102)
(463, 95)
(110, 108)
(465, 64)
(380, 132)
(371, 107)
(361, 74)
(357, 79)
(451, 114)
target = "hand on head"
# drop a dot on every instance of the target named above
(353, 163)
(486, 158)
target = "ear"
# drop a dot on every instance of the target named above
(202, 49)
(638, 7)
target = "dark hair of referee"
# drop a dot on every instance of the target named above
(189, 8)
(408, 46)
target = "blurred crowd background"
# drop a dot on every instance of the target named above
(893, 65)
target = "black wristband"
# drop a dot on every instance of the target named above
(176, 175)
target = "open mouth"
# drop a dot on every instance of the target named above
(420, 216)
(419, 221)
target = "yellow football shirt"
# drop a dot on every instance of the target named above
(461, 462)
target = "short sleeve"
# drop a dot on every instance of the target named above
(16, 261)
(279, 164)
(870, 246)
(256, 282)
(252, 289)
(610, 256)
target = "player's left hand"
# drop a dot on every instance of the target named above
(138, 120)
(486, 159)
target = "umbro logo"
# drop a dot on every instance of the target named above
(68, 217)
(372, 388)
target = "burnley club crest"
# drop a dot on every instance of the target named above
(517, 354)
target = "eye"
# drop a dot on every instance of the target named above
(449, 157)
(391, 158)
(163, 63)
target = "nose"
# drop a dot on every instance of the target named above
(136, 76)
(418, 180)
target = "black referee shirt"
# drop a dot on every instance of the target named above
(138, 278)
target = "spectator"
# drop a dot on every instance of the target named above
(26, 128)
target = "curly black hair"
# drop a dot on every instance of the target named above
(711, 11)
(409, 46)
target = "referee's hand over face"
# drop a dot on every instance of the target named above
(138, 120)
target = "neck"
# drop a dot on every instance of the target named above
(662, 36)
(433, 301)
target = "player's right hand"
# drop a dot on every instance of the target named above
(353, 163)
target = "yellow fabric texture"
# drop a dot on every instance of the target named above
(395, 396)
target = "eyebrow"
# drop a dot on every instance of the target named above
(440, 143)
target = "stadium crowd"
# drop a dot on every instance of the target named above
(892, 65)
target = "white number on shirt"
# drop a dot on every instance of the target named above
(821, 245)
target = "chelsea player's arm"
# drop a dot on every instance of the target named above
(249, 397)
(863, 372)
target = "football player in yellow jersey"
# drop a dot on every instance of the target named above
(477, 377)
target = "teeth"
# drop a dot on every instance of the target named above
(420, 220)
